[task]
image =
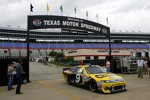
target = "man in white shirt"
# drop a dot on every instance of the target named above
(140, 64)
(148, 64)
(107, 66)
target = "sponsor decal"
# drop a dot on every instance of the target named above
(117, 80)
(99, 84)
(37, 22)
(104, 30)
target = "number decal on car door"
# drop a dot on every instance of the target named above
(77, 80)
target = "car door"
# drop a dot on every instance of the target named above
(79, 75)
(76, 76)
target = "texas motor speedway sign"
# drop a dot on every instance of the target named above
(50, 21)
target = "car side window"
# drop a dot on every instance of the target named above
(73, 69)
(79, 71)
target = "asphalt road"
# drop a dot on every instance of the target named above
(47, 84)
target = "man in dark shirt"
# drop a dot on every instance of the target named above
(19, 76)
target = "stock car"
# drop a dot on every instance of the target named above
(95, 78)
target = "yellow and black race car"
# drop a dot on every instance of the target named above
(95, 77)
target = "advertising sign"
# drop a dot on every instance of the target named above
(64, 22)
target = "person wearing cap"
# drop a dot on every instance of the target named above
(10, 76)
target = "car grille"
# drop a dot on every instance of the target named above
(118, 88)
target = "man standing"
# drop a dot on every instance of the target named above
(140, 64)
(80, 62)
(19, 76)
(148, 64)
(107, 66)
(10, 76)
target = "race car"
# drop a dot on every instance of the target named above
(95, 78)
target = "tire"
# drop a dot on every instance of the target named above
(69, 80)
(92, 86)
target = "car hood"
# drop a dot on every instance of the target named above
(106, 76)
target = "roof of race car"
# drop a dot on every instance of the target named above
(88, 66)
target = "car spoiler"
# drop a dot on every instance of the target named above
(64, 69)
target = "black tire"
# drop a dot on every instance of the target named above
(69, 80)
(92, 86)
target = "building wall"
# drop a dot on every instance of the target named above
(99, 52)
(79, 58)
(81, 54)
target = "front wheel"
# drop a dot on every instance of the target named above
(92, 86)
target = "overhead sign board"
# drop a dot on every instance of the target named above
(51, 21)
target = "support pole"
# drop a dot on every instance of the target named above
(28, 48)
(110, 57)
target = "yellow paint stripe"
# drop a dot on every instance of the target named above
(60, 91)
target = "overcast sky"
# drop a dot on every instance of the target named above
(131, 15)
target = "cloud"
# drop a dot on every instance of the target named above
(7, 2)
(122, 14)
(14, 14)
(129, 5)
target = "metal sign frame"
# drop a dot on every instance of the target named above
(65, 22)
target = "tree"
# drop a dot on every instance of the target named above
(52, 53)
(59, 56)
(68, 59)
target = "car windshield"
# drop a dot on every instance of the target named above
(95, 70)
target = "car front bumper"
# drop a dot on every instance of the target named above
(112, 87)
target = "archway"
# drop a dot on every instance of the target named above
(69, 26)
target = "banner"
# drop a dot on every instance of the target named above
(50, 21)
